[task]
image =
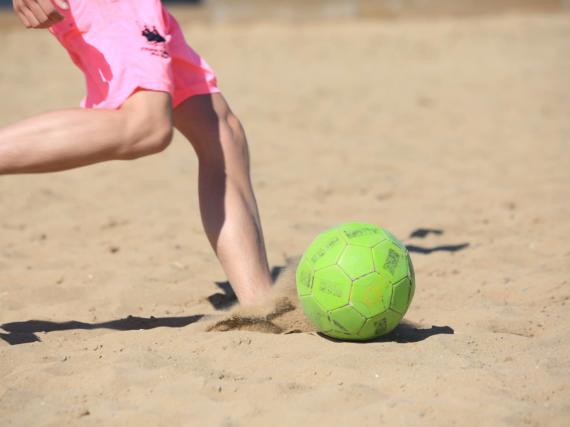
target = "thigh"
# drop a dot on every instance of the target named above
(146, 121)
(152, 106)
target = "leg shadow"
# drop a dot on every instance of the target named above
(227, 298)
(19, 338)
(24, 332)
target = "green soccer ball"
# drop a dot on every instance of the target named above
(355, 282)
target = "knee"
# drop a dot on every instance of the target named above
(222, 142)
(146, 139)
(146, 131)
(156, 139)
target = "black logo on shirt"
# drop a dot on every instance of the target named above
(156, 40)
(153, 35)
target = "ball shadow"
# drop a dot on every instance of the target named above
(405, 333)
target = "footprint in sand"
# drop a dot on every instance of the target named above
(257, 320)
(282, 316)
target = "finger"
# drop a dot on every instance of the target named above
(32, 20)
(38, 12)
(24, 20)
(19, 9)
(52, 13)
(50, 10)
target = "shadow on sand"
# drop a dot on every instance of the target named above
(25, 332)
(406, 332)
(422, 233)
(227, 298)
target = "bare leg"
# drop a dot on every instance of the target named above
(227, 203)
(71, 138)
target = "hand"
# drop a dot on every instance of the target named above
(39, 13)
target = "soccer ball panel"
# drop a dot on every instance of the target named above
(402, 296)
(331, 287)
(356, 261)
(346, 321)
(304, 278)
(392, 320)
(325, 250)
(371, 294)
(374, 327)
(316, 313)
(394, 240)
(361, 234)
(390, 259)
(380, 324)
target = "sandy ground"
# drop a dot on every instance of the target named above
(458, 126)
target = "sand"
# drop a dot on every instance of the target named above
(452, 133)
